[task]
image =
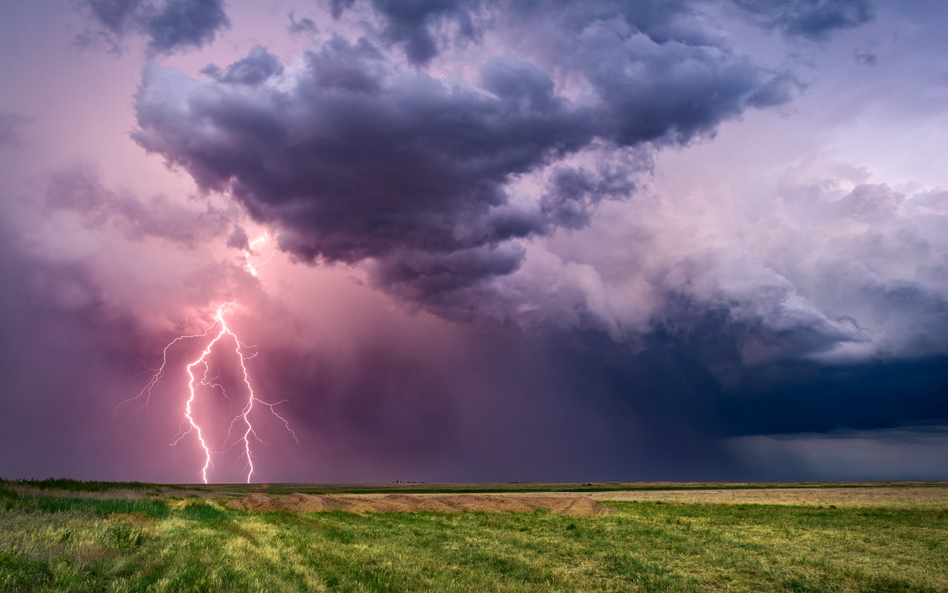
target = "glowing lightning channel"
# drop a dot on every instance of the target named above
(197, 380)
(156, 375)
(252, 268)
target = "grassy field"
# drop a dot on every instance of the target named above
(70, 536)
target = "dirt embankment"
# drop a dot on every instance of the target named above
(575, 506)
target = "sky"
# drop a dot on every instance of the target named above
(473, 240)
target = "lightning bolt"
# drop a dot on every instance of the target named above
(222, 334)
(252, 268)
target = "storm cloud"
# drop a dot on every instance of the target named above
(479, 240)
(171, 26)
(423, 29)
(354, 156)
(811, 19)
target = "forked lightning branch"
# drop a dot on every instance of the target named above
(241, 430)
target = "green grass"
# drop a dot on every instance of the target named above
(68, 485)
(91, 506)
(171, 544)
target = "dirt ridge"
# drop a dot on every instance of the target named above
(574, 506)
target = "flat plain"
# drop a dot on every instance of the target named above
(62, 535)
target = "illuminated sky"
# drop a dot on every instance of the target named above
(478, 240)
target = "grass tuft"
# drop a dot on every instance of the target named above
(18, 574)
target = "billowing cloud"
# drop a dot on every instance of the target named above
(409, 24)
(453, 193)
(425, 29)
(362, 158)
(443, 187)
(354, 156)
(832, 269)
(253, 70)
(171, 26)
(812, 19)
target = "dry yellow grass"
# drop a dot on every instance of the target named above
(867, 496)
(902, 497)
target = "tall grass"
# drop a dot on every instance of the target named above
(197, 545)
(91, 506)
(68, 485)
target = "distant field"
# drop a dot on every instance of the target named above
(72, 536)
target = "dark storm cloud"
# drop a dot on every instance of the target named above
(9, 122)
(115, 16)
(445, 282)
(573, 192)
(171, 26)
(677, 90)
(671, 382)
(812, 19)
(185, 23)
(814, 398)
(354, 156)
(360, 158)
(409, 23)
(416, 26)
(258, 66)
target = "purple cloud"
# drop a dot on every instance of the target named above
(171, 26)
